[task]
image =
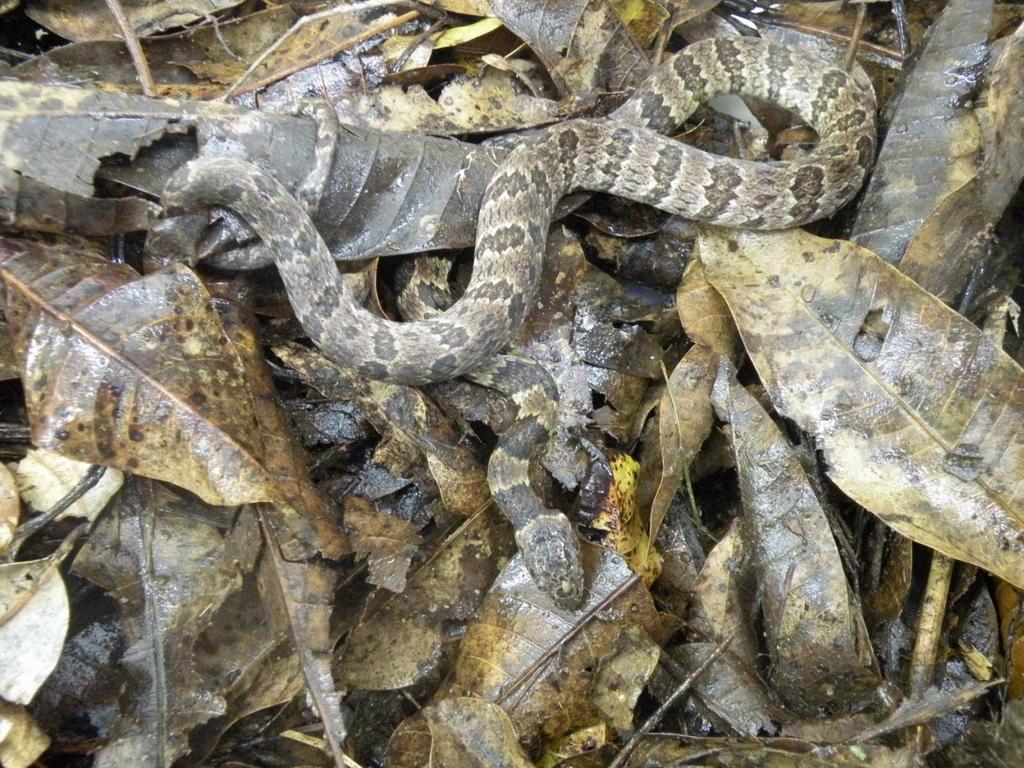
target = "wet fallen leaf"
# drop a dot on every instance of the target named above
(91, 20)
(472, 733)
(170, 572)
(389, 542)
(403, 639)
(98, 369)
(609, 499)
(933, 141)
(525, 654)
(916, 410)
(585, 45)
(814, 632)
(303, 593)
(952, 241)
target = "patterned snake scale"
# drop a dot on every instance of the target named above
(625, 156)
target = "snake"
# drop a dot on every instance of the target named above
(626, 155)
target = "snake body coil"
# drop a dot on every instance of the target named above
(624, 156)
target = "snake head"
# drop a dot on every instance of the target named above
(551, 552)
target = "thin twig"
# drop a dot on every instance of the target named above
(929, 626)
(899, 12)
(671, 701)
(37, 523)
(855, 36)
(134, 47)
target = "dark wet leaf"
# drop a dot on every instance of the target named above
(953, 241)
(402, 640)
(933, 138)
(813, 629)
(170, 571)
(584, 44)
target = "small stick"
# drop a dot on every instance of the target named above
(134, 47)
(37, 523)
(677, 694)
(858, 31)
(929, 627)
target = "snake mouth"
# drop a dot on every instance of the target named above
(552, 555)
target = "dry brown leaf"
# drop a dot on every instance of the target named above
(45, 477)
(814, 632)
(918, 413)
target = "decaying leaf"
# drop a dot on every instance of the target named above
(814, 633)
(684, 422)
(389, 541)
(932, 137)
(917, 411)
(90, 19)
(401, 640)
(951, 242)
(472, 733)
(135, 373)
(585, 45)
(170, 571)
(303, 592)
(45, 477)
(538, 661)
(609, 499)
(409, 416)
(459, 109)
(33, 623)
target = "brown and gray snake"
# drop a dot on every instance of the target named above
(624, 155)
